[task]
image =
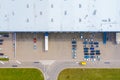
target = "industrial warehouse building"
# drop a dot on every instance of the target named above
(59, 16)
(34, 30)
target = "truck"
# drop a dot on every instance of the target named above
(104, 37)
(46, 41)
(117, 38)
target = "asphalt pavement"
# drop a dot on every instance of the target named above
(52, 71)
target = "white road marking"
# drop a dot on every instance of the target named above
(77, 62)
(47, 62)
(18, 62)
(2, 62)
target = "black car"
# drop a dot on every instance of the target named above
(92, 53)
(97, 52)
(6, 35)
(14, 66)
(1, 40)
(96, 43)
(86, 53)
(1, 54)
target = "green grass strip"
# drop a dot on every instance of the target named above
(20, 74)
(4, 59)
(90, 74)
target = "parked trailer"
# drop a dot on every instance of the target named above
(46, 41)
(117, 38)
(104, 37)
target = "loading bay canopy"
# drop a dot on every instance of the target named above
(59, 15)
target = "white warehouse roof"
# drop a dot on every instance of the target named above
(60, 15)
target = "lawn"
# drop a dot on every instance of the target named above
(20, 74)
(4, 59)
(90, 74)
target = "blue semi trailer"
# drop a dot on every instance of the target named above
(104, 37)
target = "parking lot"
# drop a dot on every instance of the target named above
(6, 46)
(60, 47)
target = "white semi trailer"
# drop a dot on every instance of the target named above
(117, 38)
(46, 41)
